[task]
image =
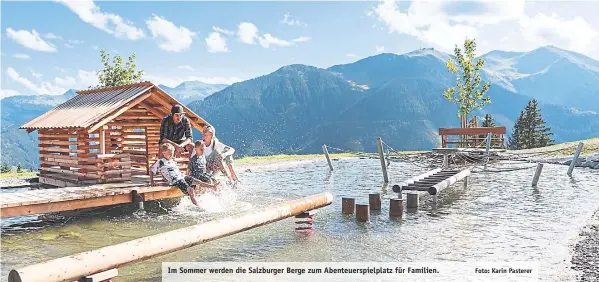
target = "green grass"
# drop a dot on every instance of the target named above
(27, 174)
(590, 146)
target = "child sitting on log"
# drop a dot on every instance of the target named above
(170, 171)
(197, 164)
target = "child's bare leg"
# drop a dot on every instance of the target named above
(192, 195)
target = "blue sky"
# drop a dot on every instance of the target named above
(49, 47)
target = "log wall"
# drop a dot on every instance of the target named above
(71, 157)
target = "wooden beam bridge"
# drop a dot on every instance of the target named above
(432, 181)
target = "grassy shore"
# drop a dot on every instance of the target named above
(27, 174)
(590, 146)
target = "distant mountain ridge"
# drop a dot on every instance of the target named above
(190, 91)
(297, 108)
(401, 101)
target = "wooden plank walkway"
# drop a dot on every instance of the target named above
(39, 201)
(432, 181)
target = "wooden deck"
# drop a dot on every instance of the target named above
(39, 201)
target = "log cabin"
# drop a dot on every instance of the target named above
(104, 135)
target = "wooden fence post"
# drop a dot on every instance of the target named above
(575, 159)
(326, 154)
(535, 179)
(379, 142)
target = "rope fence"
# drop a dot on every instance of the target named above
(506, 162)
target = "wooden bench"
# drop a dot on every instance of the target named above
(472, 137)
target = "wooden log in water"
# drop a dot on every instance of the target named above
(74, 267)
(416, 178)
(448, 182)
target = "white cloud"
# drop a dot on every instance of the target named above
(444, 24)
(7, 93)
(223, 31)
(173, 81)
(301, 39)
(87, 79)
(175, 39)
(73, 41)
(247, 32)
(60, 69)
(44, 88)
(69, 45)
(380, 49)
(189, 68)
(52, 36)
(58, 86)
(288, 20)
(351, 55)
(574, 34)
(31, 40)
(36, 74)
(21, 56)
(215, 43)
(110, 23)
(267, 40)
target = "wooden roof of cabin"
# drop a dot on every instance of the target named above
(91, 109)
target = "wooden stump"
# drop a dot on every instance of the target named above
(375, 201)
(362, 213)
(396, 208)
(348, 205)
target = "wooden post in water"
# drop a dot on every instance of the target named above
(396, 208)
(412, 200)
(535, 179)
(348, 205)
(326, 154)
(74, 267)
(374, 200)
(487, 149)
(362, 213)
(575, 158)
(379, 142)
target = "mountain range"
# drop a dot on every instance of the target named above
(297, 108)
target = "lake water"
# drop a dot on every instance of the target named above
(498, 217)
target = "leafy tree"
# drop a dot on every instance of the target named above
(19, 168)
(467, 93)
(118, 73)
(530, 130)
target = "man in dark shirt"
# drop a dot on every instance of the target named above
(176, 130)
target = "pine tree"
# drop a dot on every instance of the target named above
(488, 121)
(19, 168)
(515, 139)
(5, 168)
(530, 130)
